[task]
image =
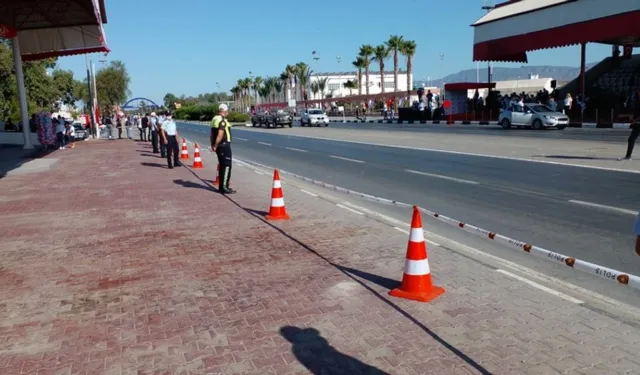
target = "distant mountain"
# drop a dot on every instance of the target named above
(560, 73)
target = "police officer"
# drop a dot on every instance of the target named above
(221, 145)
(163, 145)
(170, 135)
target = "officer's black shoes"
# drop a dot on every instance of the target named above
(171, 167)
(227, 191)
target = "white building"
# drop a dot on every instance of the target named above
(528, 86)
(336, 83)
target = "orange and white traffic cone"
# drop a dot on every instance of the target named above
(217, 180)
(277, 211)
(197, 160)
(184, 155)
(416, 280)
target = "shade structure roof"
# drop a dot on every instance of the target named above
(513, 28)
(53, 28)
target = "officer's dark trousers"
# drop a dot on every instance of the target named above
(224, 159)
(163, 147)
(154, 141)
(173, 151)
(143, 134)
(635, 132)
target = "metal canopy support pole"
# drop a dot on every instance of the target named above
(583, 57)
(22, 93)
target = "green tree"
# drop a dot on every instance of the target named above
(394, 44)
(365, 53)
(381, 53)
(112, 84)
(169, 100)
(65, 87)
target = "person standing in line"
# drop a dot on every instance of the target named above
(221, 145)
(145, 126)
(70, 136)
(170, 135)
(109, 124)
(122, 123)
(163, 145)
(153, 124)
(635, 129)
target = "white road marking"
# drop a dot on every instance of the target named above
(470, 154)
(309, 193)
(266, 144)
(258, 172)
(296, 149)
(541, 287)
(605, 207)
(349, 209)
(402, 230)
(443, 177)
(347, 159)
(241, 139)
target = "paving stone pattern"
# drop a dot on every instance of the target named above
(113, 264)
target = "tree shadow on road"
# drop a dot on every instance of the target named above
(314, 352)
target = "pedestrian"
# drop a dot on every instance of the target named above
(170, 135)
(122, 123)
(153, 124)
(635, 129)
(70, 136)
(163, 146)
(145, 127)
(108, 121)
(129, 124)
(61, 131)
(636, 229)
(221, 145)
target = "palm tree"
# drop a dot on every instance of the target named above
(257, 84)
(366, 50)
(408, 49)
(359, 64)
(303, 74)
(314, 87)
(291, 71)
(380, 54)
(235, 90)
(277, 86)
(394, 44)
(246, 87)
(322, 85)
(270, 83)
(351, 84)
(285, 83)
(264, 92)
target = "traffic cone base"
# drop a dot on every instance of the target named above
(416, 279)
(277, 210)
(184, 154)
(197, 160)
(217, 180)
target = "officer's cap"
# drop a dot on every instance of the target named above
(223, 108)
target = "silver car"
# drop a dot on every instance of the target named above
(315, 117)
(536, 116)
(81, 132)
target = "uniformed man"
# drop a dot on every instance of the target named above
(221, 145)
(153, 123)
(163, 145)
(170, 135)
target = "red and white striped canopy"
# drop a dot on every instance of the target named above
(515, 27)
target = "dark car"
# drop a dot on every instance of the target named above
(259, 119)
(279, 117)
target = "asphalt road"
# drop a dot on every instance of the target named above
(552, 206)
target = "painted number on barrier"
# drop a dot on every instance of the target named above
(516, 242)
(606, 274)
(557, 257)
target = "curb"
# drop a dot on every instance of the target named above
(593, 269)
(586, 125)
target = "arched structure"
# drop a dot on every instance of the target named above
(141, 103)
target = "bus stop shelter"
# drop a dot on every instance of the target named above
(40, 29)
(515, 27)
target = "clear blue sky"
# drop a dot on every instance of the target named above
(185, 47)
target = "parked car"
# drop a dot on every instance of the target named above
(314, 117)
(536, 116)
(259, 119)
(82, 133)
(279, 117)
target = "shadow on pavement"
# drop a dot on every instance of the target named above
(12, 157)
(158, 165)
(314, 352)
(570, 157)
(382, 281)
(190, 184)
(147, 154)
(348, 272)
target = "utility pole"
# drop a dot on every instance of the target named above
(89, 103)
(488, 6)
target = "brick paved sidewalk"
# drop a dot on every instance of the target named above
(113, 264)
